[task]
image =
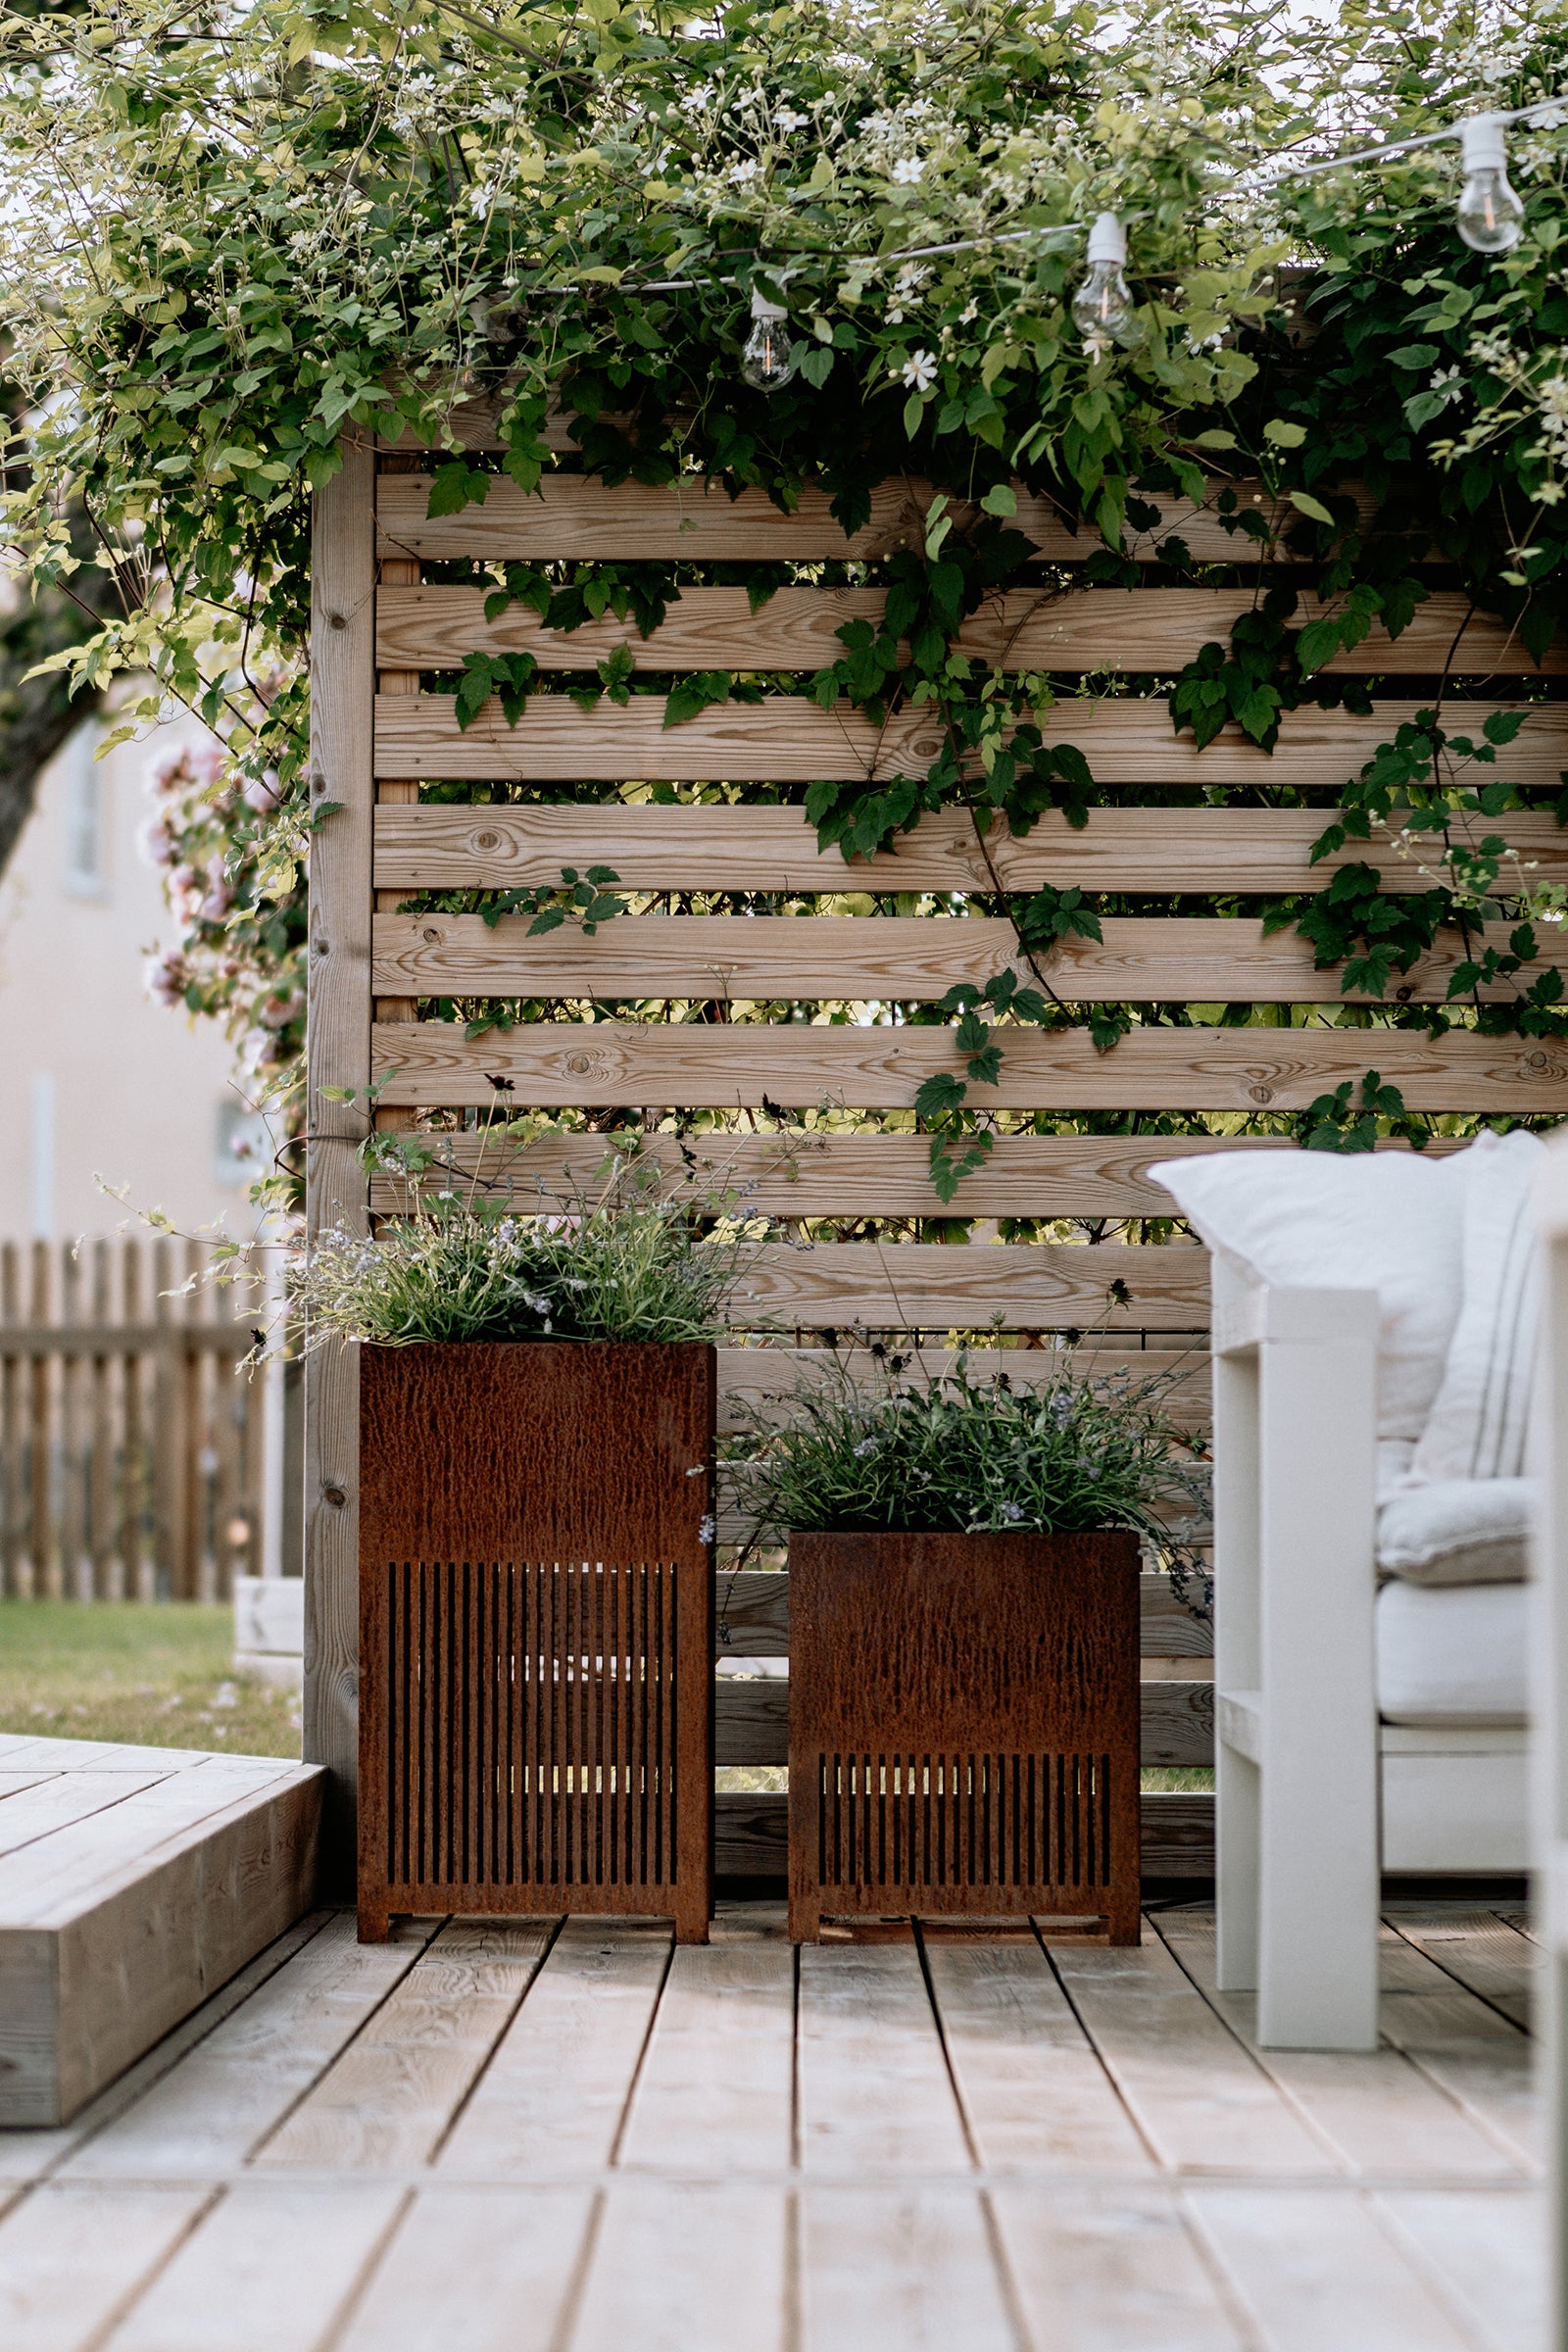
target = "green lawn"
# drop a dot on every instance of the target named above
(145, 1672)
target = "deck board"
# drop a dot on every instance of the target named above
(900, 2115)
(1377, 2109)
(1482, 1951)
(554, 2097)
(385, 2103)
(513, 2140)
(1112, 2270)
(1201, 2100)
(1037, 2096)
(489, 2270)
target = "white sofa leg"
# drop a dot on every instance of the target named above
(1317, 1723)
(1236, 1656)
(1237, 1827)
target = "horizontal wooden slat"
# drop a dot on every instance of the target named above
(752, 1723)
(586, 517)
(631, 1065)
(751, 1835)
(789, 739)
(742, 959)
(1257, 850)
(757, 1385)
(753, 1618)
(1029, 1286)
(1177, 1723)
(1079, 629)
(801, 1173)
(580, 518)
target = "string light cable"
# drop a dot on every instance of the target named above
(1490, 219)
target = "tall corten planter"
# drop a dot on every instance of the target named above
(963, 1728)
(536, 1631)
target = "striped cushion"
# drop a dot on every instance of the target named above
(1479, 1417)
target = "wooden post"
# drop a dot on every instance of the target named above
(338, 1049)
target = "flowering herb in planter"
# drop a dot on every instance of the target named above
(944, 1453)
(471, 1269)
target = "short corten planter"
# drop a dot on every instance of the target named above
(963, 1728)
(536, 1631)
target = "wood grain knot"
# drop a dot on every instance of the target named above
(1262, 1094)
(431, 936)
(334, 1495)
(486, 841)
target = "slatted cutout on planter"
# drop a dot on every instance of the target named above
(550, 1689)
(1151, 1300)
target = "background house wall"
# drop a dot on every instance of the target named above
(95, 1075)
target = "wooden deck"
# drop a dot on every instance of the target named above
(572, 2137)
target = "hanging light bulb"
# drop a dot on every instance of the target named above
(1491, 216)
(1103, 307)
(765, 360)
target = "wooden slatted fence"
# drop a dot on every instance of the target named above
(130, 1450)
(721, 1011)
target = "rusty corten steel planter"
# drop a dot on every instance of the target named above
(963, 1728)
(536, 1631)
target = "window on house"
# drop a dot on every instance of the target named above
(87, 847)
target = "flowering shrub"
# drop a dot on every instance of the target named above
(242, 954)
(901, 1454)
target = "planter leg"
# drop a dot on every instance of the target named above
(375, 1923)
(692, 1913)
(1125, 1920)
(806, 1918)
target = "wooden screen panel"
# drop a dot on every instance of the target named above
(1257, 851)
(789, 739)
(806, 1172)
(627, 1065)
(634, 517)
(1087, 629)
(578, 518)
(741, 960)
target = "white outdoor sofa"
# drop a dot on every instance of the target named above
(1371, 1641)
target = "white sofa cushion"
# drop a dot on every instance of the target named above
(1456, 1531)
(1454, 1655)
(1476, 1428)
(1385, 1221)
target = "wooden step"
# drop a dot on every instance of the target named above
(133, 1883)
